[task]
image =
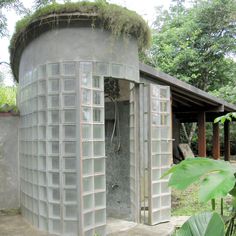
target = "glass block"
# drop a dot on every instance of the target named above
(53, 85)
(164, 106)
(70, 179)
(156, 215)
(165, 147)
(54, 178)
(102, 68)
(155, 105)
(87, 149)
(156, 147)
(88, 219)
(156, 202)
(42, 87)
(98, 115)
(98, 98)
(86, 97)
(86, 114)
(71, 228)
(69, 85)
(53, 101)
(87, 167)
(70, 195)
(166, 214)
(165, 119)
(99, 148)
(43, 208)
(42, 162)
(99, 182)
(117, 70)
(54, 210)
(53, 116)
(70, 163)
(69, 116)
(155, 91)
(100, 217)
(155, 119)
(165, 132)
(166, 160)
(156, 189)
(88, 202)
(69, 147)
(42, 178)
(166, 201)
(42, 132)
(53, 163)
(88, 184)
(163, 171)
(53, 147)
(42, 102)
(54, 194)
(164, 187)
(43, 223)
(99, 165)
(68, 68)
(42, 148)
(86, 131)
(156, 175)
(69, 100)
(98, 82)
(100, 199)
(86, 79)
(164, 93)
(53, 132)
(55, 226)
(42, 117)
(156, 133)
(53, 69)
(70, 211)
(42, 72)
(42, 193)
(156, 160)
(98, 131)
(70, 131)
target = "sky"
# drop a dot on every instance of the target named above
(146, 8)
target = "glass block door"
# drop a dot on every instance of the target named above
(134, 183)
(93, 191)
(159, 151)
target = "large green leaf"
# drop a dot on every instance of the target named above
(216, 177)
(204, 224)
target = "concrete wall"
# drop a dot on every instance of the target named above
(117, 163)
(9, 181)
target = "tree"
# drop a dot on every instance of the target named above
(17, 5)
(195, 44)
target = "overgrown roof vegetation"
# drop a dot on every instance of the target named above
(117, 19)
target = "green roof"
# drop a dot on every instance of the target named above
(117, 19)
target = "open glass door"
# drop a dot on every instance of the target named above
(157, 152)
(134, 160)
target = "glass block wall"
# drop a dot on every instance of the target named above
(62, 154)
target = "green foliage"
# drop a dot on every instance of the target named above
(204, 224)
(192, 43)
(7, 99)
(228, 117)
(9, 4)
(216, 177)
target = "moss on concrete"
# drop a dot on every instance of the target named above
(119, 20)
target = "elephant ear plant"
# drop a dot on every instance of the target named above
(217, 179)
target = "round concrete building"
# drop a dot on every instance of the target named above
(61, 56)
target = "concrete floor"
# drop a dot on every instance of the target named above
(15, 225)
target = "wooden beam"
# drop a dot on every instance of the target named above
(202, 134)
(216, 141)
(226, 141)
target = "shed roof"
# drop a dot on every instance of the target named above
(187, 100)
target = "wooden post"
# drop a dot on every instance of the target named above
(202, 134)
(216, 141)
(226, 141)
